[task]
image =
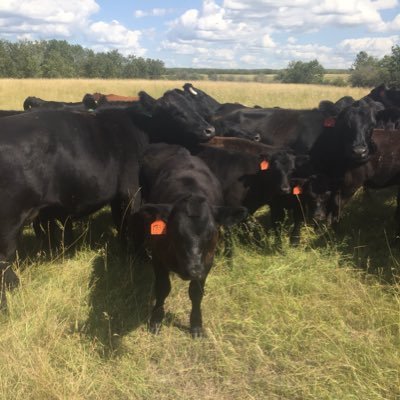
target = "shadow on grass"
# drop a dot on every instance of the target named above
(120, 297)
(366, 233)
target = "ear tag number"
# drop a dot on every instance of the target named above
(329, 122)
(264, 165)
(158, 227)
(297, 190)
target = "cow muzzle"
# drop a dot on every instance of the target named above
(360, 153)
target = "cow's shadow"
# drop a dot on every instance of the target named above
(120, 297)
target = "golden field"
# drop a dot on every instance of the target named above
(14, 91)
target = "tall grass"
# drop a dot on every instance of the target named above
(14, 91)
(321, 321)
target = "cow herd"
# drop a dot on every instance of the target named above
(174, 169)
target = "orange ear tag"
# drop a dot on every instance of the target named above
(158, 227)
(264, 165)
(329, 122)
(297, 190)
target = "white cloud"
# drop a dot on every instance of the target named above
(377, 47)
(267, 41)
(155, 12)
(115, 36)
(45, 17)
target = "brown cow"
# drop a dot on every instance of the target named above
(110, 98)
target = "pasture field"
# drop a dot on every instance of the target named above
(321, 321)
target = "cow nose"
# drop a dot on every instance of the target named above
(257, 137)
(209, 132)
(285, 189)
(360, 151)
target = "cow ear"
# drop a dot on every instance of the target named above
(152, 212)
(229, 216)
(147, 101)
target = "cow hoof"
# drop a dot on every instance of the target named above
(154, 327)
(197, 332)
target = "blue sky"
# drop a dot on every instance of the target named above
(213, 33)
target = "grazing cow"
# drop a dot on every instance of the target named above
(73, 163)
(32, 102)
(183, 211)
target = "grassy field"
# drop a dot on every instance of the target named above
(14, 91)
(321, 321)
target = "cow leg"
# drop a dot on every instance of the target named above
(196, 292)
(297, 224)
(68, 237)
(277, 218)
(162, 287)
(8, 278)
(397, 216)
(228, 245)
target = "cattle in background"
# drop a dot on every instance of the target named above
(185, 199)
(389, 118)
(300, 129)
(32, 102)
(389, 97)
(254, 174)
(213, 111)
(99, 97)
(73, 163)
(381, 170)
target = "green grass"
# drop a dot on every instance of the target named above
(321, 321)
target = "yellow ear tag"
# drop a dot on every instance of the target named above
(158, 227)
(264, 165)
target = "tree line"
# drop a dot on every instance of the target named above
(366, 71)
(59, 59)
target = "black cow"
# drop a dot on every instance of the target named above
(7, 113)
(88, 103)
(389, 118)
(381, 170)
(389, 97)
(239, 163)
(70, 164)
(204, 103)
(185, 198)
(299, 129)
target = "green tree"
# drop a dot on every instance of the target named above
(392, 64)
(302, 72)
(367, 71)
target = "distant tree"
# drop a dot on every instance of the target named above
(368, 71)
(302, 72)
(392, 65)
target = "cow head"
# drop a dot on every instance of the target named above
(190, 238)
(354, 126)
(177, 121)
(282, 167)
(317, 191)
(89, 101)
(204, 104)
